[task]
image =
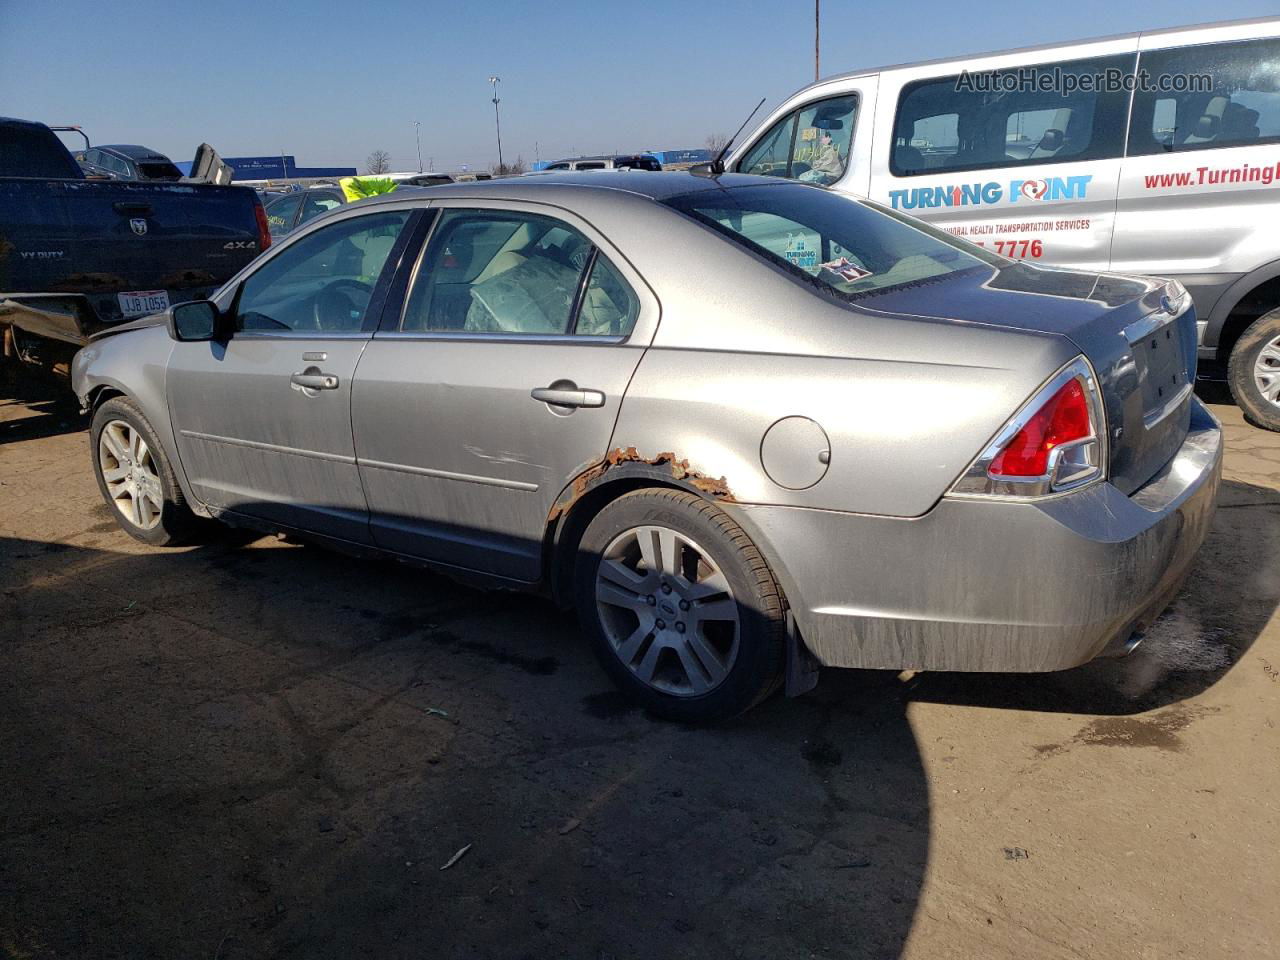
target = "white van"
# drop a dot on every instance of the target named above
(1153, 153)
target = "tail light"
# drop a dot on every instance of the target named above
(264, 230)
(1055, 443)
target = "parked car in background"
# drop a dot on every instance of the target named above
(1182, 182)
(80, 255)
(124, 161)
(642, 161)
(852, 440)
(290, 210)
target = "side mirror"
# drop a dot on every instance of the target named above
(703, 169)
(195, 321)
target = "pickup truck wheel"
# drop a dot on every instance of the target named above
(681, 608)
(135, 476)
(1254, 371)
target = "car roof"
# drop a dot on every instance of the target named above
(133, 151)
(651, 185)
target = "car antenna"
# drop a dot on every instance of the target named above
(717, 165)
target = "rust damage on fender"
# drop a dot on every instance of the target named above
(680, 470)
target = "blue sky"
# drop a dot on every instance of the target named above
(330, 82)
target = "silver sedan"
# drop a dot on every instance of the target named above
(747, 427)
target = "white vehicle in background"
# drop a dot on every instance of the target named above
(1151, 153)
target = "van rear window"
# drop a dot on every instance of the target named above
(1048, 113)
(1239, 107)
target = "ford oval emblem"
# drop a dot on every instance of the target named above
(139, 225)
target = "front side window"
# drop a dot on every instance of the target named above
(498, 272)
(324, 282)
(1048, 113)
(318, 203)
(811, 144)
(841, 245)
(1238, 106)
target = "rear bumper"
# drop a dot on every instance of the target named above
(994, 586)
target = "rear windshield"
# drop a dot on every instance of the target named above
(163, 170)
(844, 246)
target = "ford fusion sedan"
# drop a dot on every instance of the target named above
(745, 426)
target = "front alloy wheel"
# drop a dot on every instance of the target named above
(130, 474)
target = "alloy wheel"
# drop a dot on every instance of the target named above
(129, 471)
(1266, 372)
(667, 611)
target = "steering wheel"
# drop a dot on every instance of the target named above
(340, 305)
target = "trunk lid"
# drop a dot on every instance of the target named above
(1138, 334)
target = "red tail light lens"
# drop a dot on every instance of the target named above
(1057, 441)
(264, 231)
(1064, 418)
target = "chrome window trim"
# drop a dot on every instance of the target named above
(300, 335)
(581, 339)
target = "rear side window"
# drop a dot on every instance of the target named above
(280, 213)
(1049, 113)
(810, 144)
(163, 170)
(514, 273)
(1232, 98)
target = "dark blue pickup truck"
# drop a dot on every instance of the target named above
(77, 255)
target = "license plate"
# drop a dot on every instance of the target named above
(138, 303)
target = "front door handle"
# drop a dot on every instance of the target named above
(314, 381)
(562, 397)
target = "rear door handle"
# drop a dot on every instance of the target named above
(314, 381)
(568, 397)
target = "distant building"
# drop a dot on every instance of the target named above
(274, 168)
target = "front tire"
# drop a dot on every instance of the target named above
(136, 478)
(680, 607)
(1254, 371)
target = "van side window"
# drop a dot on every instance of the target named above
(1242, 108)
(810, 144)
(1011, 118)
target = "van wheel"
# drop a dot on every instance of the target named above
(135, 476)
(1254, 371)
(681, 608)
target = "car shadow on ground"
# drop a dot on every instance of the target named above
(51, 406)
(1210, 626)
(268, 749)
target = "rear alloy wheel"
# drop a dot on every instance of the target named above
(135, 477)
(1254, 371)
(683, 611)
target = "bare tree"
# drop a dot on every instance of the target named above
(379, 161)
(716, 142)
(510, 169)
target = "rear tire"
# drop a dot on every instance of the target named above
(681, 609)
(136, 478)
(1254, 385)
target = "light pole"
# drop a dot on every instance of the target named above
(417, 135)
(817, 33)
(496, 122)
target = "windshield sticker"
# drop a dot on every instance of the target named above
(993, 191)
(800, 254)
(846, 270)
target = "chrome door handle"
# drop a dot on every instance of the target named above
(568, 398)
(314, 381)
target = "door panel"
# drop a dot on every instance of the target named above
(255, 442)
(460, 463)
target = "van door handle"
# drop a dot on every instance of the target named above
(564, 397)
(314, 381)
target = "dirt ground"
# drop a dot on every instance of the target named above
(258, 749)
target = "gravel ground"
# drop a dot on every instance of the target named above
(258, 749)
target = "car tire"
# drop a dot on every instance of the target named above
(136, 478)
(1256, 352)
(681, 608)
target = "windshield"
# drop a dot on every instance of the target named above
(846, 247)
